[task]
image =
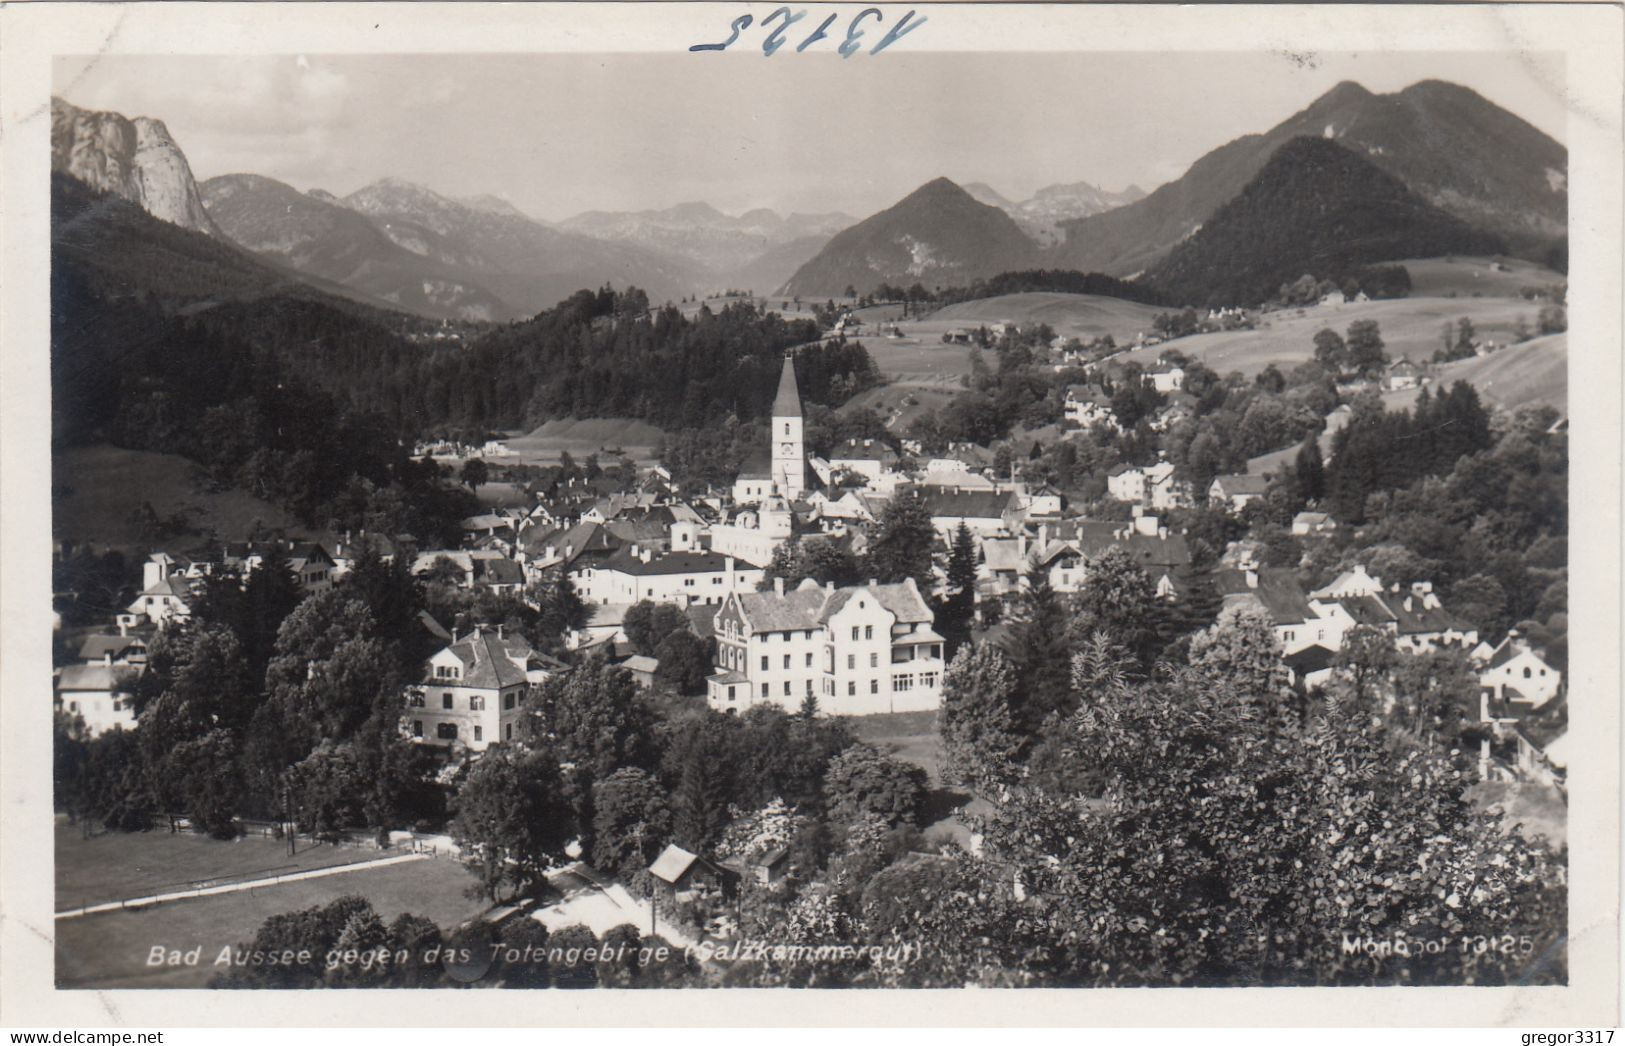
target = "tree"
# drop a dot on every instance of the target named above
(864, 781)
(512, 818)
(1038, 646)
(701, 762)
(631, 821)
(1309, 469)
(1225, 850)
(1330, 350)
(685, 661)
(595, 721)
(901, 546)
(1118, 598)
(559, 608)
(647, 623)
(475, 473)
(976, 722)
(1365, 355)
(1241, 652)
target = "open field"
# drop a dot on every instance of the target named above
(900, 402)
(584, 436)
(913, 736)
(1072, 315)
(117, 865)
(1466, 276)
(110, 949)
(1535, 372)
(912, 358)
(98, 489)
(1411, 328)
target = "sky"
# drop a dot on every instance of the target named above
(559, 134)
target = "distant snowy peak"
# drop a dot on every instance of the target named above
(1040, 216)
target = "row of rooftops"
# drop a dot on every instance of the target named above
(811, 605)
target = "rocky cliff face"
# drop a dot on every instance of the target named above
(134, 159)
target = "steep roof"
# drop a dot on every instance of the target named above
(902, 600)
(967, 504)
(1242, 484)
(96, 647)
(488, 659)
(787, 403)
(673, 863)
(809, 606)
(88, 677)
(669, 563)
(1278, 593)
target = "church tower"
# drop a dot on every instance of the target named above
(789, 452)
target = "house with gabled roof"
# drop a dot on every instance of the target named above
(472, 692)
(857, 650)
(98, 693)
(1085, 405)
(985, 512)
(167, 594)
(684, 577)
(1236, 491)
(1515, 677)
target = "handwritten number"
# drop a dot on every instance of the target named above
(775, 39)
(818, 34)
(850, 44)
(740, 23)
(900, 30)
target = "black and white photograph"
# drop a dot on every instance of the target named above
(827, 498)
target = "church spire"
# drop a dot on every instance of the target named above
(787, 404)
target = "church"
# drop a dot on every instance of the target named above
(785, 474)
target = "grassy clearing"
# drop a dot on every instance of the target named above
(1466, 276)
(1535, 372)
(114, 866)
(584, 436)
(1411, 328)
(110, 949)
(96, 491)
(1073, 315)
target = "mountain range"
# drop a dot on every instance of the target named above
(937, 235)
(1316, 207)
(1429, 168)
(1041, 216)
(1449, 145)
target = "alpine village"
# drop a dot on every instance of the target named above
(1107, 589)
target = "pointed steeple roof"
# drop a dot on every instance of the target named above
(787, 404)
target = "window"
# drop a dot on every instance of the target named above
(716, 581)
(1288, 636)
(928, 680)
(809, 687)
(902, 681)
(868, 631)
(417, 701)
(730, 693)
(417, 728)
(874, 686)
(764, 689)
(479, 733)
(688, 582)
(786, 688)
(509, 700)
(507, 732)
(786, 660)
(854, 633)
(476, 703)
(73, 706)
(445, 701)
(764, 662)
(851, 662)
(809, 660)
(874, 659)
(851, 689)
(446, 731)
(1526, 672)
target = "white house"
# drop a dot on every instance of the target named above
(1086, 404)
(99, 694)
(858, 650)
(1516, 674)
(1167, 377)
(636, 573)
(1237, 490)
(472, 693)
(753, 536)
(166, 594)
(1149, 486)
(862, 457)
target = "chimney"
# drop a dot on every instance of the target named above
(1021, 545)
(829, 586)
(1252, 578)
(778, 586)
(1043, 534)
(107, 657)
(873, 582)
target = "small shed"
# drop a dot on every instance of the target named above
(688, 876)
